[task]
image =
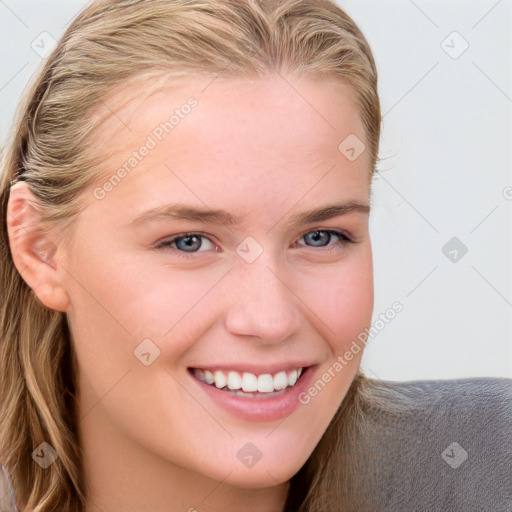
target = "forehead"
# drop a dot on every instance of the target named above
(294, 108)
(218, 132)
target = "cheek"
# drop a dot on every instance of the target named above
(344, 300)
(116, 302)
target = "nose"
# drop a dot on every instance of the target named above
(263, 305)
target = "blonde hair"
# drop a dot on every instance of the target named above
(112, 43)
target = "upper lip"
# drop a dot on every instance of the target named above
(257, 369)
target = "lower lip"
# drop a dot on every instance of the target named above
(259, 408)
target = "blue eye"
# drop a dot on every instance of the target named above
(318, 236)
(184, 243)
(187, 244)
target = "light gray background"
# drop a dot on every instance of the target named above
(445, 172)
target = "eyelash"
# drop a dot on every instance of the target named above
(166, 244)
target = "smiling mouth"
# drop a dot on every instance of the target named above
(248, 384)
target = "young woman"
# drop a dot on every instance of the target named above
(186, 267)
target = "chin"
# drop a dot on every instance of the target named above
(259, 479)
(262, 475)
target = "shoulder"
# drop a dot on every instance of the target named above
(440, 444)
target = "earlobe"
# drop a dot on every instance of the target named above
(34, 254)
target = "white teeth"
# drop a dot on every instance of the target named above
(292, 378)
(249, 382)
(234, 380)
(208, 377)
(280, 381)
(220, 379)
(265, 383)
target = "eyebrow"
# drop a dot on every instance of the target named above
(180, 211)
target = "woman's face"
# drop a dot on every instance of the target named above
(252, 285)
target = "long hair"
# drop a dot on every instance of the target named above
(110, 44)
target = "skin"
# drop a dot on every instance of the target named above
(260, 149)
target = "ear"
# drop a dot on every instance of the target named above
(34, 254)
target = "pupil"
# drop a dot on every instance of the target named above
(317, 236)
(189, 245)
